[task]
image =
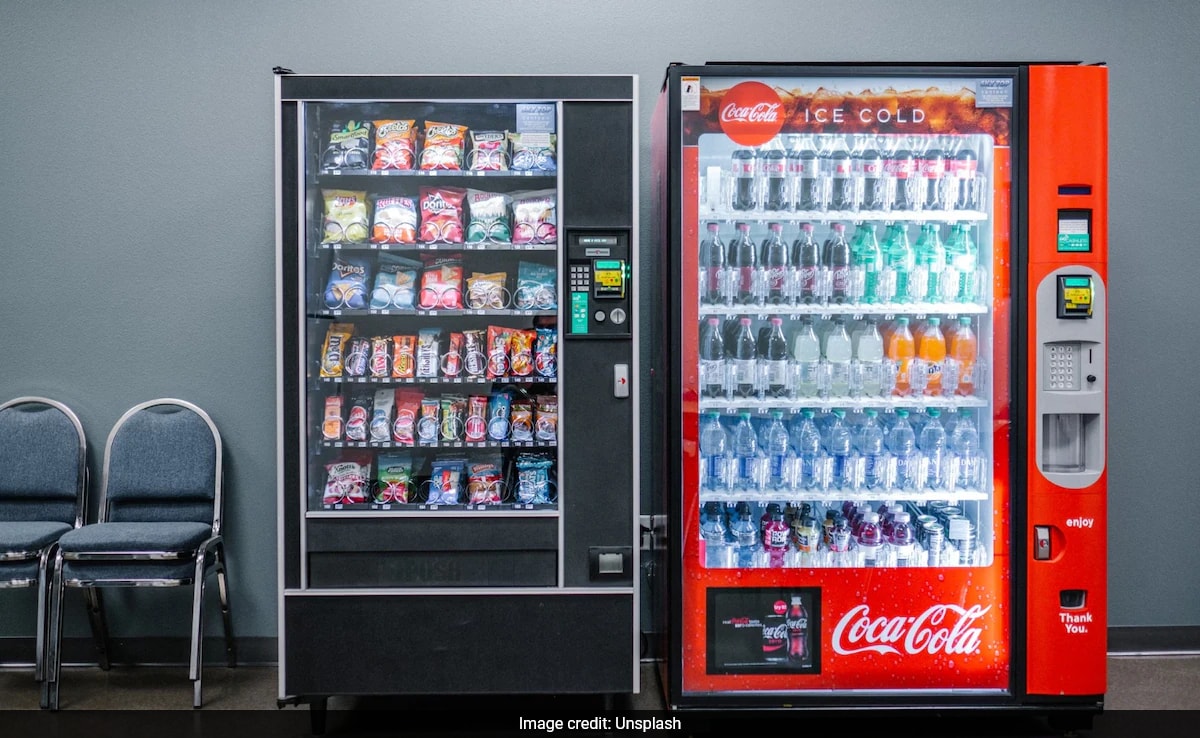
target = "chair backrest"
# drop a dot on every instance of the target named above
(43, 462)
(162, 463)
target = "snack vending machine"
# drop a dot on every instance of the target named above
(457, 346)
(884, 382)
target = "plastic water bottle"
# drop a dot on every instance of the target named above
(870, 359)
(930, 261)
(807, 355)
(872, 451)
(901, 444)
(903, 540)
(744, 359)
(838, 353)
(745, 449)
(838, 447)
(870, 539)
(773, 359)
(714, 447)
(899, 259)
(964, 258)
(745, 535)
(807, 440)
(867, 261)
(714, 534)
(712, 359)
(776, 446)
(933, 449)
(964, 442)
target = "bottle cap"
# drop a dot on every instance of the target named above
(933, 412)
(902, 517)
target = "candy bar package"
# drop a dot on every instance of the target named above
(452, 360)
(545, 357)
(346, 146)
(442, 214)
(347, 285)
(333, 355)
(474, 353)
(429, 352)
(546, 423)
(485, 481)
(498, 339)
(534, 218)
(499, 409)
(441, 282)
(381, 357)
(408, 407)
(454, 414)
(475, 429)
(394, 482)
(345, 216)
(446, 482)
(489, 151)
(533, 151)
(520, 348)
(428, 422)
(395, 282)
(347, 480)
(487, 291)
(404, 357)
(444, 144)
(395, 145)
(331, 426)
(488, 220)
(395, 220)
(536, 287)
(533, 479)
(358, 356)
(381, 415)
(521, 421)
(360, 416)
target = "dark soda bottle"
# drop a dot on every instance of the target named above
(774, 260)
(743, 260)
(712, 359)
(773, 356)
(963, 168)
(806, 264)
(773, 163)
(901, 167)
(743, 356)
(797, 630)
(933, 169)
(712, 265)
(874, 182)
(837, 261)
(743, 179)
(810, 183)
(842, 185)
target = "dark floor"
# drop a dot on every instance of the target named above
(1134, 683)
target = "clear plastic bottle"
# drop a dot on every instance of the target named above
(901, 444)
(806, 267)
(899, 259)
(870, 539)
(807, 441)
(743, 265)
(836, 258)
(744, 360)
(930, 262)
(745, 450)
(867, 261)
(931, 350)
(807, 355)
(870, 359)
(774, 260)
(964, 350)
(903, 540)
(773, 359)
(901, 349)
(745, 535)
(777, 442)
(715, 534)
(839, 450)
(838, 353)
(968, 460)
(933, 449)
(963, 256)
(712, 265)
(871, 448)
(712, 359)
(714, 447)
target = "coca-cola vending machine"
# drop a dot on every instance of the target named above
(883, 378)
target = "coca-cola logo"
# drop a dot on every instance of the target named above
(780, 607)
(751, 113)
(947, 629)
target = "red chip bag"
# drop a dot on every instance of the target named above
(395, 144)
(444, 143)
(442, 214)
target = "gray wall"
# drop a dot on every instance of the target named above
(136, 193)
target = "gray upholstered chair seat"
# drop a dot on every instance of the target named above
(27, 538)
(18, 573)
(179, 537)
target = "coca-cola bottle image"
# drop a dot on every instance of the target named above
(743, 357)
(773, 355)
(772, 164)
(712, 265)
(743, 260)
(712, 359)
(875, 190)
(774, 260)
(963, 191)
(901, 167)
(932, 166)
(797, 631)
(843, 190)
(806, 266)
(810, 189)
(743, 170)
(836, 258)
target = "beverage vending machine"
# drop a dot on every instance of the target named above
(457, 346)
(884, 383)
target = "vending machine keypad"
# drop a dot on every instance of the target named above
(1062, 367)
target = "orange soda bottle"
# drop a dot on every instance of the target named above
(931, 350)
(963, 349)
(901, 350)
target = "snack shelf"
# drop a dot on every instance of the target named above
(795, 405)
(375, 510)
(440, 380)
(440, 446)
(349, 313)
(919, 310)
(470, 246)
(438, 173)
(828, 216)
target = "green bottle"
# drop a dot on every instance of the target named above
(964, 257)
(865, 257)
(930, 255)
(898, 256)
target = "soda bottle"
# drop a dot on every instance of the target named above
(838, 353)
(745, 450)
(933, 448)
(963, 168)
(870, 359)
(964, 258)
(742, 261)
(714, 534)
(964, 442)
(901, 167)
(797, 631)
(870, 539)
(806, 264)
(744, 534)
(792, 169)
(773, 358)
(838, 447)
(933, 168)
(777, 447)
(901, 350)
(775, 539)
(712, 266)
(836, 258)
(899, 259)
(744, 360)
(714, 447)
(963, 349)
(842, 189)
(903, 540)
(774, 260)
(810, 193)
(872, 451)
(901, 444)
(743, 168)
(807, 354)
(931, 350)
(867, 261)
(871, 167)
(712, 359)
(773, 168)
(839, 541)
(807, 440)
(930, 261)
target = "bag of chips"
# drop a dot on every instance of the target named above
(334, 352)
(520, 348)
(347, 285)
(442, 214)
(546, 423)
(395, 220)
(488, 217)
(408, 406)
(394, 483)
(345, 216)
(534, 218)
(381, 415)
(359, 418)
(429, 354)
(428, 421)
(444, 143)
(346, 146)
(533, 479)
(533, 151)
(545, 357)
(395, 145)
(489, 151)
(521, 421)
(445, 483)
(485, 481)
(346, 480)
(487, 291)
(395, 283)
(499, 408)
(331, 427)
(536, 287)
(441, 282)
(404, 357)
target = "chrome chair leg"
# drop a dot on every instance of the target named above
(43, 623)
(95, 607)
(196, 670)
(226, 615)
(53, 665)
